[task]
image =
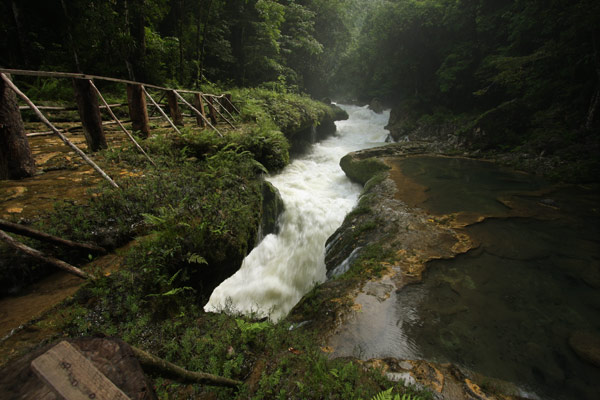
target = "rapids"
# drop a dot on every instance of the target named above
(317, 196)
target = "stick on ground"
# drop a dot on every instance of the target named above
(15, 244)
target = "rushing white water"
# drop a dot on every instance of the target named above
(317, 196)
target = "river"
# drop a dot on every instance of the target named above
(317, 196)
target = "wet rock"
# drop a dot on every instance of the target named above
(376, 106)
(272, 207)
(445, 381)
(587, 346)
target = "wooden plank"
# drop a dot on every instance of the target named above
(138, 111)
(89, 112)
(73, 376)
(174, 109)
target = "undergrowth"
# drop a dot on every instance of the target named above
(196, 216)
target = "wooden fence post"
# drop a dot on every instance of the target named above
(16, 160)
(58, 133)
(89, 112)
(174, 110)
(165, 116)
(138, 112)
(228, 104)
(213, 110)
(199, 104)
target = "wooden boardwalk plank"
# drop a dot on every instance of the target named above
(73, 376)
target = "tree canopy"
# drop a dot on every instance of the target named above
(533, 59)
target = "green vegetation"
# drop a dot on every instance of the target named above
(505, 75)
(362, 171)
(196, 216)
(275, 360)
(206, 197)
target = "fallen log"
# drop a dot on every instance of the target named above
(53, 128)
(161, 366)
(15, 244)
(22, 230)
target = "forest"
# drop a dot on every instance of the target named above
(516, 82)
(528, 71)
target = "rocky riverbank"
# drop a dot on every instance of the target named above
(385, 244)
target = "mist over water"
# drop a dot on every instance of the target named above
(317, 196)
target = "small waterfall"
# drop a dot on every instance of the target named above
(317, 196)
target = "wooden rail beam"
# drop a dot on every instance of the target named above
(120, 124)
(197, 112)
(165, 116)
(22, 230)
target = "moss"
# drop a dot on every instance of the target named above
(361, 171)
(272, 207)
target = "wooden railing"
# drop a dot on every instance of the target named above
(87, 96)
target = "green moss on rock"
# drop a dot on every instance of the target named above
(362, 170)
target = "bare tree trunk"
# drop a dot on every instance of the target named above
(180, 37)
(16, 160)
(202, 47)
(137, 29)
(595, 102)
(89, 111)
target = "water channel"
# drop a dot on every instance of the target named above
(512, 308)
(317, 196)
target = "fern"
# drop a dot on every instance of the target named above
(387, 395)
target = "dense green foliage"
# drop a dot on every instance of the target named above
(202, 205)
(187, 42)
(520, 71)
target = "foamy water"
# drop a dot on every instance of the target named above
(317, 196)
